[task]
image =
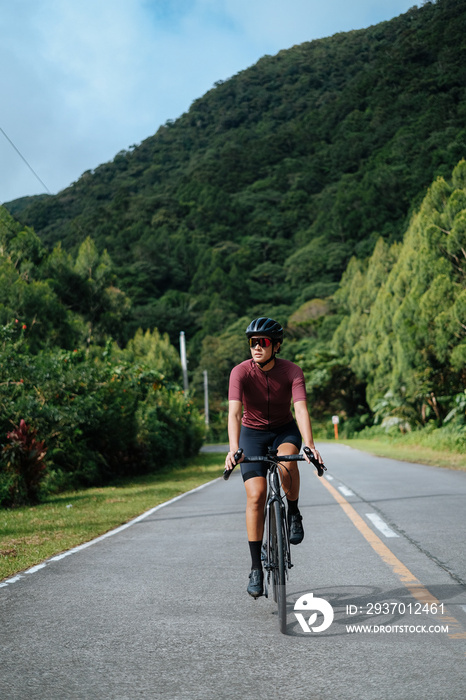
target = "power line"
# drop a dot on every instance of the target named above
(24, 159)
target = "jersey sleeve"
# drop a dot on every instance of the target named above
(298, 386)
(235, 390)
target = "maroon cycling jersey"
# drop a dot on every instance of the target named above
(266, 396)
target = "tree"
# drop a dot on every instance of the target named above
(102, 304)
(413, 340)
(155, 351)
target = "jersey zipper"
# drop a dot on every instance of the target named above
(268, 401)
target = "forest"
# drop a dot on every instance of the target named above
(76, 409)
(324, 186)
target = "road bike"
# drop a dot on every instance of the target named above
(276, 551)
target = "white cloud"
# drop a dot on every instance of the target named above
(84, 80)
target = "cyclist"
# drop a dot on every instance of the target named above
(260, 394)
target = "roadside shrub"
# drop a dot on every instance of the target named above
(100, 415)
(22, 468)
(167, 423)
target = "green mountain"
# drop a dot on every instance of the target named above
(262, 192)
(288, 190)
(390, 345)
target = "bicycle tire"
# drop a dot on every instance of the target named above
(279, 572)
(272, 550)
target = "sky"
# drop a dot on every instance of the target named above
(82, 80)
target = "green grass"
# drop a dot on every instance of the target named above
(409, 452)
(30, 535)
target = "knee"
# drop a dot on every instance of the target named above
(256, 498)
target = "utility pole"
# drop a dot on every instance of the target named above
(184, 362)
(206, 397)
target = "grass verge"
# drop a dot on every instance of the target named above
(30, 535)
(409, 453)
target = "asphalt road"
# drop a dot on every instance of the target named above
(160, 610)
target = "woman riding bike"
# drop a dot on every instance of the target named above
(260, 394)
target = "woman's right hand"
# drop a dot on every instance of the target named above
(230, 462)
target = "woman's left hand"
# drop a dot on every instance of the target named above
(315, 453)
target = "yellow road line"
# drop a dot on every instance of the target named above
(414, 586)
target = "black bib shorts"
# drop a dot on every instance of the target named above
(256, 443)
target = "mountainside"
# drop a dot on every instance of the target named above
(260, 194)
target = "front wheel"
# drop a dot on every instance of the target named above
(279, 573)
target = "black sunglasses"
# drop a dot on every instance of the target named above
(263, 342)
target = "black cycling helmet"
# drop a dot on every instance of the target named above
(265, 326)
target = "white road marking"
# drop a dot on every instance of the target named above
(10, 580)
(33, 569)
(345, 491)
(328, 477)
(381, 525)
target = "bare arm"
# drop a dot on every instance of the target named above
(305, 428)
(235, 412)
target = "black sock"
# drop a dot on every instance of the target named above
(255, 549)
(293, 507)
